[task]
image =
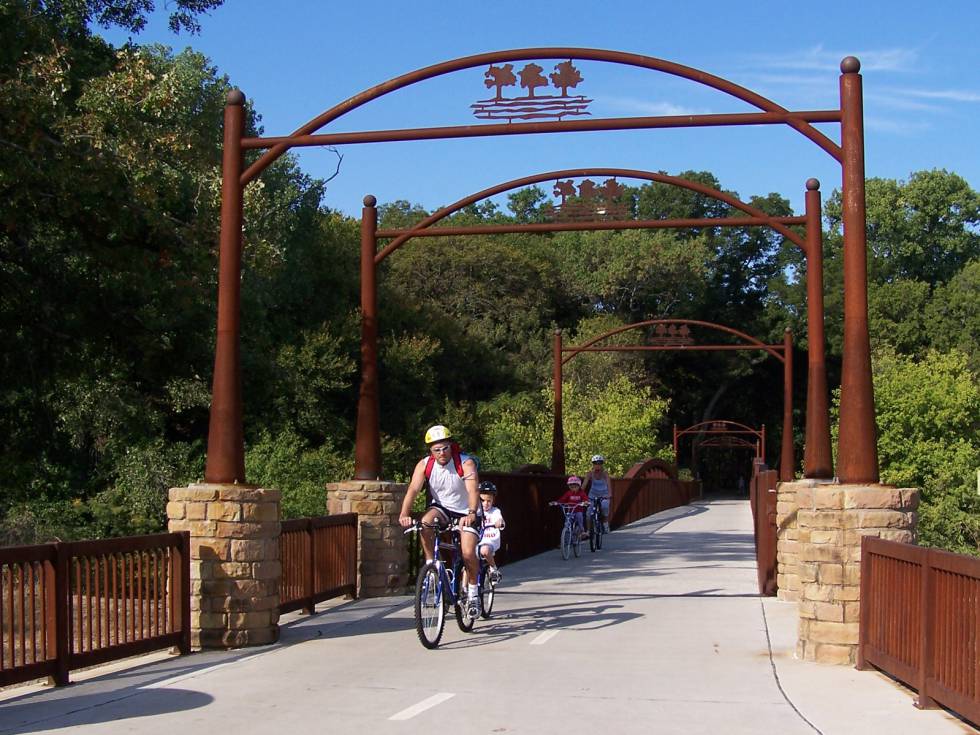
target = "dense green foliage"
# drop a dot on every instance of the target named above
(110, 181)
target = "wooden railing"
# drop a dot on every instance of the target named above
(533, 527)
(319, 560)
(919, 621)
(762, 498)
(68, 605)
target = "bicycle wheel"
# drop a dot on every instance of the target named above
(463, 619)
(566, 542)
(430, 614)
(577, 541)
(599, 534)
(592, 539)
(487, 590)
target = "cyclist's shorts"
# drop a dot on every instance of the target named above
(451, 515)
(491, 539)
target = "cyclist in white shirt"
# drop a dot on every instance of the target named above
(493, 524)
(452, 479)
(599, 487)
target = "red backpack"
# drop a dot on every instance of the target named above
(457, 460)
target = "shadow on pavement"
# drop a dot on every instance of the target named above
(89, 709)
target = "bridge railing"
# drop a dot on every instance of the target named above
(919, 622)
(319, 560)
(533, 527)
(64, 606)
(762, 498)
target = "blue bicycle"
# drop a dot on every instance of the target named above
(596, 528)
(440, 586)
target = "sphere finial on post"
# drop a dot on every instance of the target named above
(235, 97)
(813, 184)
(370, 200)
(850, 65)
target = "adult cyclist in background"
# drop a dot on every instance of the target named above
(453, 483)
(599, 487)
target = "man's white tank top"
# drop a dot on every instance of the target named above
(447, 487)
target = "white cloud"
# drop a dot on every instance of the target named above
(953, 95)
(817, 58)
(905, 128)
(646, 107)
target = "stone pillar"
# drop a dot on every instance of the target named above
(831, 521)
(235, 565)
(787, 534)
(382, 547)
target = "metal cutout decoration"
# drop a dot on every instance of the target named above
(590, 202)
(671, 336)
(532, 106)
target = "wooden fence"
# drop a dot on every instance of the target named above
(319, 560)
(762, 498)
(920, 622)
(69, 605)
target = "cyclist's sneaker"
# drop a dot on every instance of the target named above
(473, 605)
(495, 575)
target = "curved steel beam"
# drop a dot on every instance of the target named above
(748, 338)
(698, 426)
(627, 173)
(588, 54)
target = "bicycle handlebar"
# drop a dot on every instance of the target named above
(418, 525)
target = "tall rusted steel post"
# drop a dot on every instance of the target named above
(786, 470)
(226, 443)
(857, 451)
(763, 430)
(367, 448)
(817, 458)
(676, 458)
(558, 433)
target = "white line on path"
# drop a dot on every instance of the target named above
(410, 712)
(544, 637)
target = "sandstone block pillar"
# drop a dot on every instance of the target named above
(831, 520)
(382, 548)
(235, 564)
(787, 540)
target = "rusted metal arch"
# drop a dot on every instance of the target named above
(857, 450)
(701, 428)
(776, 113)
(367, 453)
(771, 349)
(814, 445)
(764, 220)
(758, 445)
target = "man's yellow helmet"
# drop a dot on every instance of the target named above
(437, 433)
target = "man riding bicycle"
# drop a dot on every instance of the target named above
(453, 483)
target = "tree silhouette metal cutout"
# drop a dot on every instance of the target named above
(590, 202)
(532, 106)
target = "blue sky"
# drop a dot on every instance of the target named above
(297, 58)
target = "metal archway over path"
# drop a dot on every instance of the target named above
(721, 434)
(368, 446)
(857, 455)
(673, 339)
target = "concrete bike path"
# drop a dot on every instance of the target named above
(660, 631)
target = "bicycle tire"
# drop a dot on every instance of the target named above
(598, 536)
(566, 542)
(577, 541)
(487, 593)
(592, 537)
(430, 612)
(463, 620)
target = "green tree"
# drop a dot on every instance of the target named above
(928, 416)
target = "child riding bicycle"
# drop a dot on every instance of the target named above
(575, 496)
(493, 524)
